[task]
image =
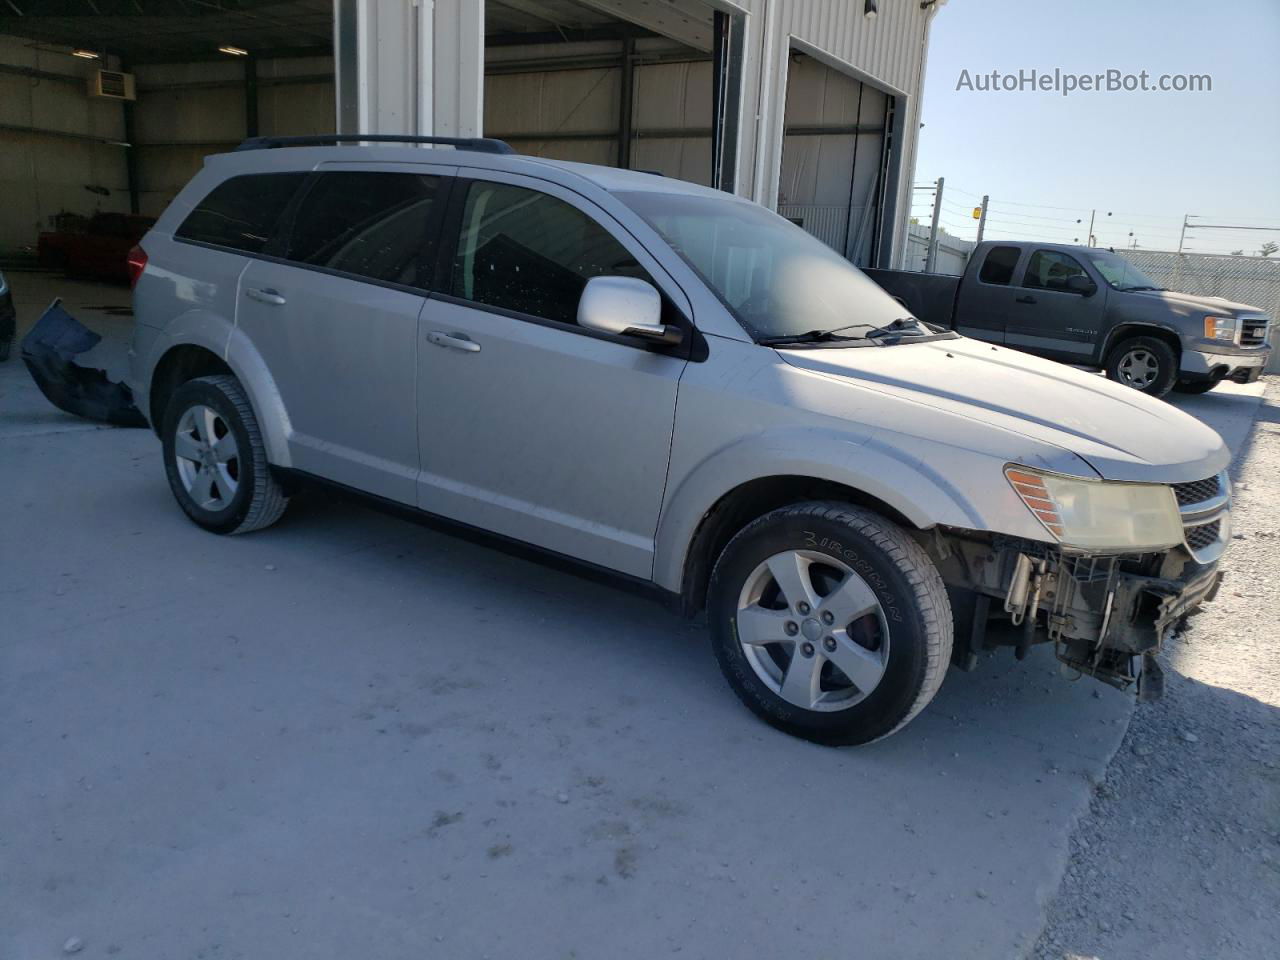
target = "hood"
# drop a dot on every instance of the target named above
(1122, 434)
(1191, 301)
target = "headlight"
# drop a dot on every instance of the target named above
(1098, 514)
(1220, 328)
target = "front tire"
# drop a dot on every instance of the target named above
(829, 622)
(215, 459)
(1147, 364)
(1196, 386)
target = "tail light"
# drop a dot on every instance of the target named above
(136, 262)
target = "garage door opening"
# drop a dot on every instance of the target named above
(835, 158)
(638, 85)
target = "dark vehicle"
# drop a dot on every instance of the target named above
(1091, 307)
(98, 247)
(8, 319)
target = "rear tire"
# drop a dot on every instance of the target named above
(215, 459)
(1147, 364)
(829, 622)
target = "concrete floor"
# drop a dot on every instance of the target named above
(349, 735)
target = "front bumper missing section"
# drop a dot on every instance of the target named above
(1107, 616)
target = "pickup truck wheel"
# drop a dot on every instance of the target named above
(215, 459)
(1144, 363)
(1196, 386)
(829, 622)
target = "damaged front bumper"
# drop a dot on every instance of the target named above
(1107, 616)
(49, 351)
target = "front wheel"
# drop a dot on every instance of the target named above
(1147, 364)
(215, 459)
(829, 622)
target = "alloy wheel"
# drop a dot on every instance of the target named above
(1139, 368)
(208, 458)
(813, 630)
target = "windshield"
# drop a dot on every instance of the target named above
(1120, 273)
(776, 279)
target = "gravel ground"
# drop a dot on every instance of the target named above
(1179, 855)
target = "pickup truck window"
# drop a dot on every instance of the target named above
(1120, 273)
(242, 212)
(998, 267)
(1050, 270)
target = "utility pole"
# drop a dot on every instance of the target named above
(932, 256)
(1183, 235)
(1091, 240)
(982, 220)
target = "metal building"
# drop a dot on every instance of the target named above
(807, 106)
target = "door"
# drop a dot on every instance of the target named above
(335, 317)
(1054, 316)
(530, 426)
(986, 300)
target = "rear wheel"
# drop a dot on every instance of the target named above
(1147, 364)
(829, 622)
(215, 459)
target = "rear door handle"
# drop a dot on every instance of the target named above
(1025, 300)
(265, 296)
(454, 341)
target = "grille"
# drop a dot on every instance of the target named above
(1253, 333)
(1205, 535)
(1197, 491)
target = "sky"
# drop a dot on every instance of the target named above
(1146, 158)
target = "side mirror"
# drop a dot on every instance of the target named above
(1081, 285)
(625, 306)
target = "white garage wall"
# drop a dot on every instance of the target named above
(43, 174)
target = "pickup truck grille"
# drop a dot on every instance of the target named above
(1197, 491)
(1253, 331)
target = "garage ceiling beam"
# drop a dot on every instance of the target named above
(687, 21)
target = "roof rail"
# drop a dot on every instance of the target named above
(478, 144)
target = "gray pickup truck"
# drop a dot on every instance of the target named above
(1091, 307)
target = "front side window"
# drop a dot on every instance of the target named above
(374, 225)
(243, 212)
(526, 251)
(998, 267)
(1050, 270)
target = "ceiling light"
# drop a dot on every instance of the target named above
(869, 9)
(234, 51)
(86, 54)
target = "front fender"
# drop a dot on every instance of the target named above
(908, 476)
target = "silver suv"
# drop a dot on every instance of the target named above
(678, 387)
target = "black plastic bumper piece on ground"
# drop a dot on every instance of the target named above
(49, 351)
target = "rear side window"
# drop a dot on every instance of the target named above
(1050, 270)
(374, 225)
(242, 212)
(526, 251)
(998, 267)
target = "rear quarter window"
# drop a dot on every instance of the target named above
(242, 213)
(998, 267)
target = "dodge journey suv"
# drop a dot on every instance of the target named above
(680, 388)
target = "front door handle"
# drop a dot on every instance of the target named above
(1025, 300)
(265, 296)
(454, 341)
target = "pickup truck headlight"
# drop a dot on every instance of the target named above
(1220, 328)
(1099, 514)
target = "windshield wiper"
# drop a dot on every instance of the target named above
(823, 336)
(1142, 287)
